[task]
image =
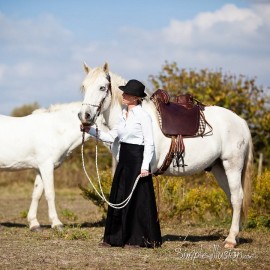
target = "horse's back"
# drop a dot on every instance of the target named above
(232, 130)
(226, 121)
(14, 128)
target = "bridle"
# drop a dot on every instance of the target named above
(99, 106)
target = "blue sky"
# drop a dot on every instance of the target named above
(43, 44)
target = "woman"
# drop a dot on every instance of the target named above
(135, 225)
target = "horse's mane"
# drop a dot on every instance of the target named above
(58, 107)
(116, 81)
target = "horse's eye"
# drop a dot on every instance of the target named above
(102, 88)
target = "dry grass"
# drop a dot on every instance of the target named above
(185, 246)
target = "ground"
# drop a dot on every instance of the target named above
(184, 246)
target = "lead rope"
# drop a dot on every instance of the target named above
(102, 196)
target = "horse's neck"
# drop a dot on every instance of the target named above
(69, 127)
(149, 106)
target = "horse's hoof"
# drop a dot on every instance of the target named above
(59, 228)
(229, 245)
(35, 229)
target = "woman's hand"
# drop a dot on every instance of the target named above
(144, 173)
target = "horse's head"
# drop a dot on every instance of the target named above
(97, 93)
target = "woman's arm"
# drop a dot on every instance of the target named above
(103, 136)
(148, 142)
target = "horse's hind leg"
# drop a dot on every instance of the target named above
(47, 177)
(221, 177)
(32, 213)
(233, 171)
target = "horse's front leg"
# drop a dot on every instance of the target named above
(36, 195)
(48, 182)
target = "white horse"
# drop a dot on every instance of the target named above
(228, 151)
(41, 141)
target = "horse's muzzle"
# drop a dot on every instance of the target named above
(86, 119)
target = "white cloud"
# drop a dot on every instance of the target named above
(42, 61)
(35, 62)
(229, 25)
(229, 14)
(234, 39)
(38, 35)
(263, 10)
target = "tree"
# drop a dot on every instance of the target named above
(237, 93)
(24, 109)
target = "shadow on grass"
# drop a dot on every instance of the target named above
(13, 225)
(198, 238)
(96, 224)
(165, 238)
(99, 223)
(20, 225)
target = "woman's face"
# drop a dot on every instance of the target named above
(129, 99)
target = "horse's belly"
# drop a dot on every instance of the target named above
(15, 167)
(15, 164)
(200, 154)
(15, 160)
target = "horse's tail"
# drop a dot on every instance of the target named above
(247, 175)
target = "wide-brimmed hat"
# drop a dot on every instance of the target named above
(134, 88)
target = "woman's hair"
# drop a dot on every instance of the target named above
(139, 101)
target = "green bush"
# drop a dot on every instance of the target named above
(177, 198)
(261, 194)
(196, 199)
(90, 194)
(68, 214)
(259, 214)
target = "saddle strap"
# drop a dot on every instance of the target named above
(176, 151)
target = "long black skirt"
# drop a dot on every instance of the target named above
(137, 223)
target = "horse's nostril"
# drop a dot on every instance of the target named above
(87, 115)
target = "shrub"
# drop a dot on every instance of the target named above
(259, 215)
(90, 194)
(68, 214)
(261, 194)
(194, 202)
(195, 199)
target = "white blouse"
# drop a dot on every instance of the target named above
(134, 129)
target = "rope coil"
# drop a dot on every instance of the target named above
(101, 195)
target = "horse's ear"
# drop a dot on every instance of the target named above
(106, 68)
(86, 68)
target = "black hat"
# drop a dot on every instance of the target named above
(134, 88)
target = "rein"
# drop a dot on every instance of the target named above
(101, 193)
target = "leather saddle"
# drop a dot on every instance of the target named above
(181, 117)
(178, 117)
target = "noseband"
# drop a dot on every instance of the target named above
(99, 106)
